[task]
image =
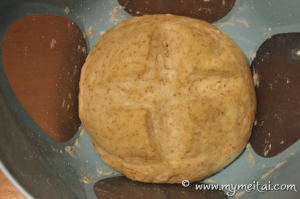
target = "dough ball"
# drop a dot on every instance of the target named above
(167, 98)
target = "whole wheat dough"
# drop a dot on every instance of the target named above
(167, 98)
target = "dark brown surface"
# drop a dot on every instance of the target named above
(122, 187)
(278, 95)
(210, 11)
(45, 80)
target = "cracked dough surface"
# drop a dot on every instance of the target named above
(166, 98)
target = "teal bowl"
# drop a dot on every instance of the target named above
(40, 167)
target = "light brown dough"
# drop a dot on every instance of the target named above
(166, 98)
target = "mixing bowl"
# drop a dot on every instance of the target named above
(45, 152)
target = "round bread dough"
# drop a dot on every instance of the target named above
(167, 98)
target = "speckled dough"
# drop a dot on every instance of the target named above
(167, 98)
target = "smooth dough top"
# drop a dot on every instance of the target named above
(167, 98)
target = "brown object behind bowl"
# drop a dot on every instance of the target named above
(277, 66)
(210, 11)
(120, 186)
(42, 61)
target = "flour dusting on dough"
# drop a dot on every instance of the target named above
(83, 50)
(53, 42)
(116, 15)
(75, 71)
(255, 78)
(108, 173)
(251, 158)
(100, 173)
(208, 180)
(244, 22)
(265, 175)
(81, 132)
(267, 149)
(54, 149)
(253, 56)
(281, 142)
(67, 10)
(89, 32)
(277, 166)
(70, 150)
(247, 146)
(77, 143)
(86, 180)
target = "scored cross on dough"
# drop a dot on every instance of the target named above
(167, 98)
